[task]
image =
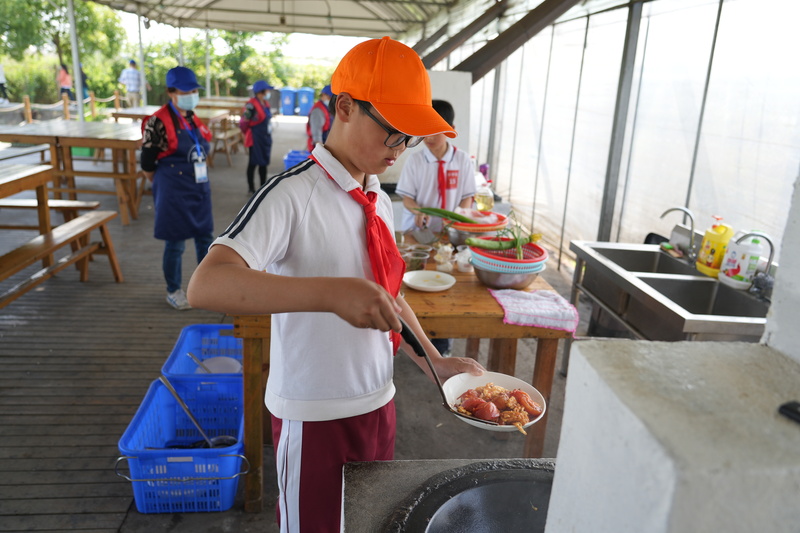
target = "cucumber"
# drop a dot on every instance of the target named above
(488, 244)
(444, 213)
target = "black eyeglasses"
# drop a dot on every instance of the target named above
(395, 137)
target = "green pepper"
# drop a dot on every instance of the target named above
(444, 213)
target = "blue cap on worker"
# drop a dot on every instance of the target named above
(261, 86)
(327, 90)
(183, 79)
(132, 62)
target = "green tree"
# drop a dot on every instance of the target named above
(44, 25)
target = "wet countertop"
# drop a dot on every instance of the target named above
(372, 491)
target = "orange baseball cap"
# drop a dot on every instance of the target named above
(390, 76)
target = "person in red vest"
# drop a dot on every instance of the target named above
(319, 119)
(174, 150)
(257, 129)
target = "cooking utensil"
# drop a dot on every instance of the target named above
(423, 235)
(199, 362)
(221, 441)
(411, 338)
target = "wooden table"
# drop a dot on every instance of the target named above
(20, 177)
(17, 178)
(234, 108)
(466, 311)
(207, 115)
(122, 139)
(238, 99)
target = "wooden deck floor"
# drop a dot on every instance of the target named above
(75, 361)
(77, 358)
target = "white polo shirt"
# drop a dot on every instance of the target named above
(419, 180)
(303, 224)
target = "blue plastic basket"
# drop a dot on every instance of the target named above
(204, 341)
(181, 480)
(294, 157)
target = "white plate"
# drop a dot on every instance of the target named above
(221, 365)
(461, 383)
(428, 280)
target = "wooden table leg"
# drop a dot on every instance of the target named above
(69, 170)
(502, 356)
(543, 372)
(472, 349)
(253, 436)
(123, 201)
(44, 218)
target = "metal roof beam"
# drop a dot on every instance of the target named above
(424, 44)
(497, 50)
(463, 36)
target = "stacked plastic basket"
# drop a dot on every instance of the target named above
(500, 269)
(171, 468)
(533, 259)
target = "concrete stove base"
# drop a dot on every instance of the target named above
(675, 437)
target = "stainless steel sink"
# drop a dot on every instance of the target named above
(654, 296)
(706, 296)
(637, 260)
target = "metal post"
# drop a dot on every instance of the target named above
(494, 125)
(516, 118)
(180, 45)
(76, 60)
(572, 144)
(703, 105)
(541, 127)
(142, 77)
(208, 64)
(620, 122)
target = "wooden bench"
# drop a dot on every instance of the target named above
(74, 232)
(68, 208)
(19, 151)
(225, 140)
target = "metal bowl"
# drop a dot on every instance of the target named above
(458, 237)
(497, 280)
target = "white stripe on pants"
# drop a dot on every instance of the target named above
(288, 466)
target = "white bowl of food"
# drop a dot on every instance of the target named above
(486, 387)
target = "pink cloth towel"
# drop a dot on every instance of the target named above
(543, 309)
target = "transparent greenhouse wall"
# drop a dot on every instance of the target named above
(556, 107)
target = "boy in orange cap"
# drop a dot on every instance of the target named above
(314, 247)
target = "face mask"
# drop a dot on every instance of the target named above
(188, 101)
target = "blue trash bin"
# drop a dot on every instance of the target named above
(294, 157)
(305, 100)
(287, 100)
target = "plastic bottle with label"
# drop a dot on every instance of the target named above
(712, 250)
(484, 197)
(741, 263)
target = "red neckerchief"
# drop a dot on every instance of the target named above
(387, 265)
(442, 184)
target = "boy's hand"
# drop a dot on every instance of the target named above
(365, 304)
(447, 367)
(421, 220)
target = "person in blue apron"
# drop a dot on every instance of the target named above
(174, 150)
(257, 129)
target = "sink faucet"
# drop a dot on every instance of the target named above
(763, 281)
(692, 253)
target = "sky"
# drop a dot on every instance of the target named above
(301, 46)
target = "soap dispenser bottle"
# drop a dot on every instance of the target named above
(715, 242)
